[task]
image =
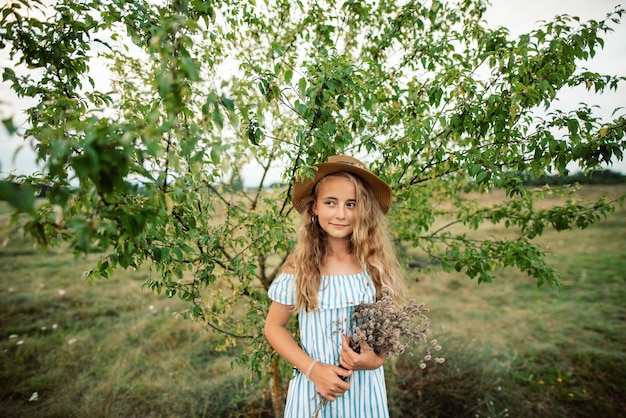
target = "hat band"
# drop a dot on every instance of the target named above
(361, 166)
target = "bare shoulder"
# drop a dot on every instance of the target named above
(289, 268)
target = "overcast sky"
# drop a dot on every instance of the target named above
(518, 16)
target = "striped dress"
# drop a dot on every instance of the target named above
(320, 335)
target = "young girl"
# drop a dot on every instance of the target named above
(343, 257)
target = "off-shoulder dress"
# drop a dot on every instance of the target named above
(320, 338)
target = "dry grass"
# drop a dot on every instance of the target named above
(110, 349)
(115, 349)
(516, 350)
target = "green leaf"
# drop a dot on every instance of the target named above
(483, 176)
(9, 126)
(228, 103)
(20, 196)
(302, 87)
(474, 169)
(217, 118)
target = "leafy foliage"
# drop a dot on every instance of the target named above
(202, 91)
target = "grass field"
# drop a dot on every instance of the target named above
(114, 349)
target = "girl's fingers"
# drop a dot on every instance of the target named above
(341, 371)
(347, 358)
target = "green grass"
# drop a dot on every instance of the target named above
(114, 349)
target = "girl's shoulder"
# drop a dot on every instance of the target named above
(288, 268)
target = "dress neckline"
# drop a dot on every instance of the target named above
(360, 273)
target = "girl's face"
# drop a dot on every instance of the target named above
(335, 207)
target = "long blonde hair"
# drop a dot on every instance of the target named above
(370, 244)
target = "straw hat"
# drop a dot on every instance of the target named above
(302, 190)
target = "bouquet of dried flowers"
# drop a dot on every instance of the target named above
(387, 328)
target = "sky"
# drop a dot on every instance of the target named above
(518, 16)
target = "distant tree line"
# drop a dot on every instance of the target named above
(591, 177)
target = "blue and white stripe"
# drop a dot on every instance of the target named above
(320, 334)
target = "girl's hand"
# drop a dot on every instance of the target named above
(365, 360)
(327, 379)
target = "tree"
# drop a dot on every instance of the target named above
(436, 102)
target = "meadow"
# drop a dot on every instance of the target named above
(115, 349)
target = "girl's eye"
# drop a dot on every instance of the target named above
(352, 205)
(330, 202)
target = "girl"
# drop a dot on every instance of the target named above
(343, 257)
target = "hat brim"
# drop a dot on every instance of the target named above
(302, 190)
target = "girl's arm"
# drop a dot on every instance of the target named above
(365, 360)
(325, 376)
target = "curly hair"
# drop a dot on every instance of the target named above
(370, 244)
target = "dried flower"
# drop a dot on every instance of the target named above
(387, 328)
